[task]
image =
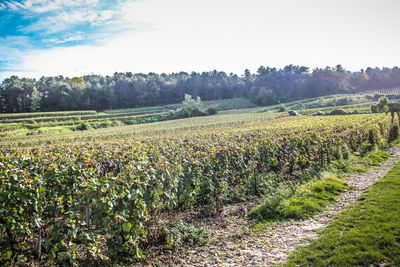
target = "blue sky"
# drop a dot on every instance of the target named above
(31, 25)
(78, 37)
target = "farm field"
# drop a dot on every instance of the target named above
(46, 128)
(102, 195)
(155, 133)
(22, 124)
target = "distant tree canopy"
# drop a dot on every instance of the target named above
(35, 100)
(124, 90)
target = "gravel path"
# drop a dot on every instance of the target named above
(233, 244)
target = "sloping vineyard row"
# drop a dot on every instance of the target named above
(9, 116)
(386, 91)
(74, 118)
(147, 129)
(102, 198)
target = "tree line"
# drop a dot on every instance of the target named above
(268, 85)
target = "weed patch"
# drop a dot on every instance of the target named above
(353, 166)
(376, 158)
(184, 234)
(303, 202)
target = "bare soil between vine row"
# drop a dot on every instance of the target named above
(232, 243)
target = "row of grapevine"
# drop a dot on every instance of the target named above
(383, 91)
(100, 199)
(125, 118)
(10, 116)
(70, 119)
(174, 127)
(226, 104)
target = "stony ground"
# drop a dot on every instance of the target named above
(234, 242)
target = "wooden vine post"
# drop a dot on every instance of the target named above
(39, 246)
(87, 220)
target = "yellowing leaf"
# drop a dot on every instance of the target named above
(126, 226)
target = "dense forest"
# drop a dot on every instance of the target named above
(124, 90)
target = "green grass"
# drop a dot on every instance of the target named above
(305, 201)
(376, 158)
(354, 165)
(366, 234)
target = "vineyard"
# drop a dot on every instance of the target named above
(22, 124)
(29, 129)
(154, 133)
(96, 197)
(385, 91)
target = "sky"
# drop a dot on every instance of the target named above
(79, 37)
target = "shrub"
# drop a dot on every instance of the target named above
(382, 105)
(293, 113)
(298, 106)
(212, 110)
(83, 126)
(374, 109)
(319, 113)
(338, 112)
(282, 108)
(198, 113)
(342, 101)
(191, 107)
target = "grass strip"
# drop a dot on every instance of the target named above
(307, 200)
(366, 234)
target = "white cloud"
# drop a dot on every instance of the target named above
(165, 52)
(231, 35)
(8, 51)
(42, 6)
(78, 36)
(13, 5)
(58, 15)
(21, 74)
(64, 20)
